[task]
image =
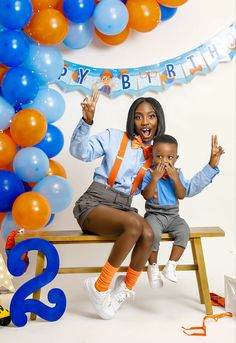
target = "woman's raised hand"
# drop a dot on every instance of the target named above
(89, 105)
(216, 152)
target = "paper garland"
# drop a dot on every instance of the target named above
(156, 77)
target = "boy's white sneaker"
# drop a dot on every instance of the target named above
(169, 271)
(154, 276)
(101, 301)
(120, 293)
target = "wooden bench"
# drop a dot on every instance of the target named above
(77, 237)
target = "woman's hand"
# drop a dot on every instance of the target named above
(89, 105)
(216, 152)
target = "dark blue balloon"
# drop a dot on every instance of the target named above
(53, 141)
(78, 11)
(10, 188)
(19, 86)
(15, 14)
(14, 48)
(167, 12)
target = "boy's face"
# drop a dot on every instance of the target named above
(164, 152)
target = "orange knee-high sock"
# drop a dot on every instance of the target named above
(105, 278)
(131, 277)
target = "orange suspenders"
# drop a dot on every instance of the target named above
(116, 166)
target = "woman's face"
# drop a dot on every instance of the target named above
(145, 121)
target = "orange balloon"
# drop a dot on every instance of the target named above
(42, 4)
(47, 27)
(28, 127)
(116, 39)
(144, 15)
(55, 168)
(7, 149)
(3, 70)
(59, 5)
(172, 3)
(2, 216)
(31, 210)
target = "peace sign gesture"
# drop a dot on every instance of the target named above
(89, 105)
(216, 152)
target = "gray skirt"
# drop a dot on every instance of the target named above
(99, 194)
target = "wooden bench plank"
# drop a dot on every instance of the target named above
(70, 237)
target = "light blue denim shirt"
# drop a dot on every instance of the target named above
(106, 144)
(165, 188)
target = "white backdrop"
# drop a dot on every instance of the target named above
(193, 113)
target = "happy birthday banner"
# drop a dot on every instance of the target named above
(156, 77)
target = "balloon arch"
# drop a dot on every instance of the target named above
(33, 186)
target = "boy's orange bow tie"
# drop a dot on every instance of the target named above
(138, 143)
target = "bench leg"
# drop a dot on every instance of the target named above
(201, 274)
(39, 270)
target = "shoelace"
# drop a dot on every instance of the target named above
(124, 294)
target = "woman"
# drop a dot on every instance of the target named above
(105, 208)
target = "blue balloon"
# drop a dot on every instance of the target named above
(19, 86)
(14, 48)
(10, 188)
(7, 112)
(110, 17)
(15, 14)
(57, 190)
(79, 35)
(53, 141)
(50, 103)
(46, 62)
(8, 225)
(30, 164)
(167, 12)
(78, 11)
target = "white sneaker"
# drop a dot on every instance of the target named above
(154, 276)
(101, 301)
(169, 271)
(120, 293)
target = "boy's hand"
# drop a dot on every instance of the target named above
(159, 171)
(89, 105)
(216, 152)
(171, 171)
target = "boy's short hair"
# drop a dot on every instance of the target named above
(165, 139)
(130, 126)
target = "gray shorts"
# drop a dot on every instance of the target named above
(99, 194)
(166, 219)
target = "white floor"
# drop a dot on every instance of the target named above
(154, 316)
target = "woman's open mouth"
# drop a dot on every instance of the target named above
(146, 134)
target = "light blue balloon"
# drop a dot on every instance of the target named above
(79, 35)
(8, 225)
(57, 190)
(50, 103)
(30, 164)
(110, 17)
(46, 63)
(7, 112)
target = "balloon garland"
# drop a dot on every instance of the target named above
(29, 177)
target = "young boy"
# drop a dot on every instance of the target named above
(162, 186)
